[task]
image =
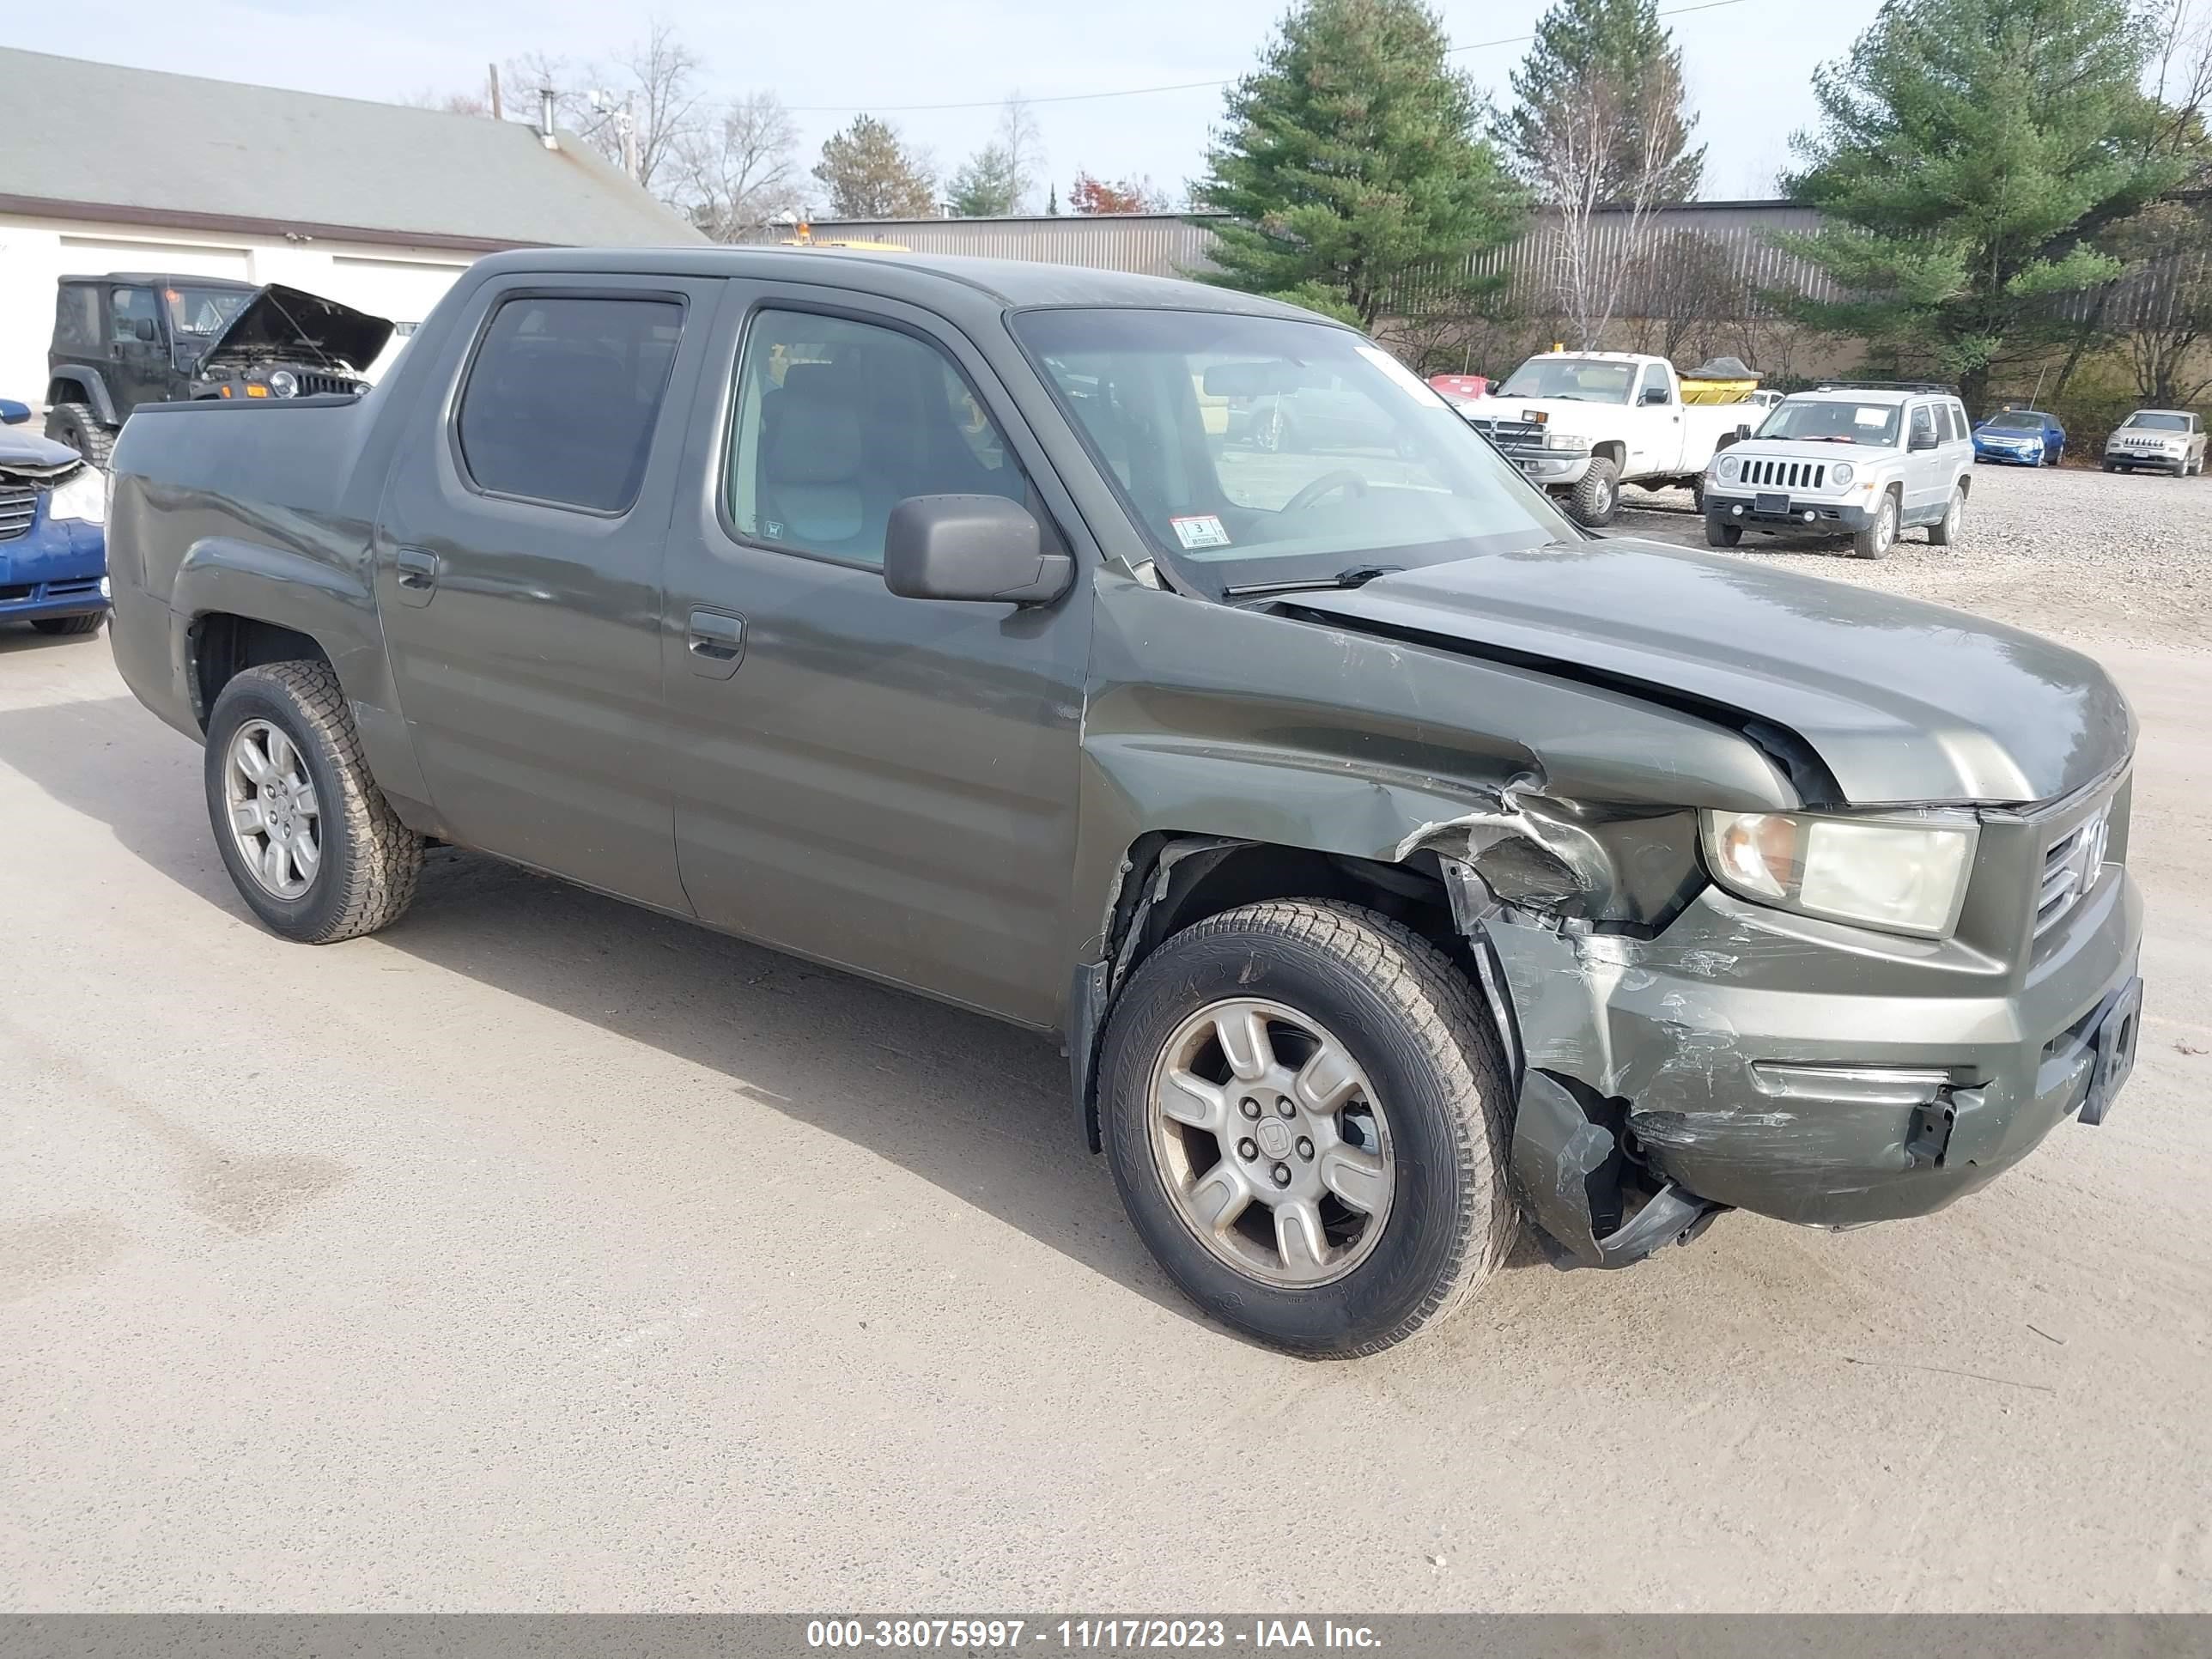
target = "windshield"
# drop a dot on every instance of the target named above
(1828, 419)
(1574, 380)
(2014, 421)
(2157, 421)
(197, 315)
(1261, 450)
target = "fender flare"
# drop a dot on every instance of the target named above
(90, 382)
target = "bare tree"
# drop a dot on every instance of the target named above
(1685, 288)
(1022, 144)
(662, 99)
(737, 169)
(1602, 212)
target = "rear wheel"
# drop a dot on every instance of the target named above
(1597, 497)
(1945, 532)
(76, 425)
(315, 849)
(1879, 537)
(87, 624)
(1306, 1113)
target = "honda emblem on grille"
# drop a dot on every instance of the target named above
(2093, 843)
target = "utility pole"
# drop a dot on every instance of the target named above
(491, 74)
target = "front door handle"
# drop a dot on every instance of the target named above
(715, 643)
(417, 570)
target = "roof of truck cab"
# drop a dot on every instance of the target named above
(1002, 284)
(164, 279)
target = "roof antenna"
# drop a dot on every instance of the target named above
(545, 118)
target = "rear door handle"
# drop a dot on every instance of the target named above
(417, 570)
(716, 643)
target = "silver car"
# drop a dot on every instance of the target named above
(2157, 439)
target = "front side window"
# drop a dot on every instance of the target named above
(1923, 423)
(1261, 449)
(1833, 421)
(837, 421)
(1655, 379)
(1575, 379)
(562, 398)
(132, 306)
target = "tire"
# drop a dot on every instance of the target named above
(76, 425)
(85, 625)
(368, 861)
(1722, 535)
(1596, 497)
(1877, 539)
(2110, 467)
(1435, 1129)
(1947, 531)
(1698, 494)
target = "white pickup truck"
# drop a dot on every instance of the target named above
(1581, 424)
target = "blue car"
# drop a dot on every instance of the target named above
(2020, 437)
(53, 548)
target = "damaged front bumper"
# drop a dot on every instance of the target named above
(1746, 1058)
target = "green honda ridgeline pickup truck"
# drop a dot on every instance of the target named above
(1393, 858)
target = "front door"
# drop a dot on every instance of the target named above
(137, 349)
(1927, 474)
(884, 783)
(519, 573)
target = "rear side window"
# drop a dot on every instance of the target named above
(76, 317)
(562, 398)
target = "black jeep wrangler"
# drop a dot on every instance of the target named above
(132, 338)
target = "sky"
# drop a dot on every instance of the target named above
(1749, 62)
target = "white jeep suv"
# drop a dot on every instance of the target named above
(1866, 461)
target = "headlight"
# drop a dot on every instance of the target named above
(1565, 441)
(284, 384)
(82, 495)
(1841, 474)
(1727, 470)
(1900, 877)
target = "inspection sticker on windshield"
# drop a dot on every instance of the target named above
(1871, 417)
(1201, 529)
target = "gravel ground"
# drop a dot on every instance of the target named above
(2073, 552)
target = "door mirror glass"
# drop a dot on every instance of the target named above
(983, 547)
(1654, 394)
(144, 332)
(1924, 437)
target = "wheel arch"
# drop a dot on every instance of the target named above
(1612, 449)
(73, 384)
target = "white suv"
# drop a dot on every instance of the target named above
(1862, 460)
(2165, 440)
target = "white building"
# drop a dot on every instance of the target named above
(378, 206)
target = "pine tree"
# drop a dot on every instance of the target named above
(984, 187)
(1622, 44)
(870, 175)
(1969, 152)
(1352, 167)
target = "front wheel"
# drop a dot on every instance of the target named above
(1596, 497)
(1722, 535)
(1306, 1114)
(314, 848)
(76, 425)
(1880, 535)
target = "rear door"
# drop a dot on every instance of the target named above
(519, 560)
(884, 783)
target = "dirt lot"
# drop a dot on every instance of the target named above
(546, 1253)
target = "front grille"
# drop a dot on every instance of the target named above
(1786, 475)
(324, 385)
(1511, 434)
(2071, 866)
(18, 505)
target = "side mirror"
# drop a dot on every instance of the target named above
(971, 547)
(1922, 441)
(13, 413)
(1654, 394)
(144, 329)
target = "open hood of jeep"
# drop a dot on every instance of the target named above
(290, 324)
(1902, 702)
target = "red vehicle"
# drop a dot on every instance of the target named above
(1460, 388)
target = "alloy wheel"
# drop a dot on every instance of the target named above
(275, 821)
(1270, 1142)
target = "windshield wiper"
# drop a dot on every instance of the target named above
(1357, 576)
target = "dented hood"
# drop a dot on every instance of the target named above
(1903, 701)
(32, 456)
(295, 326)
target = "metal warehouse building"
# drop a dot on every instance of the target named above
(376, 206)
